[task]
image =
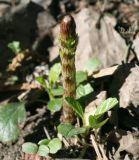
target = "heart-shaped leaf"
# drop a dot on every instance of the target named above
(11, 115)
(30, 148)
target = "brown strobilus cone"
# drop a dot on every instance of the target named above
(68, 41)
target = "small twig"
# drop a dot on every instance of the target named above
(46, 132)
(103, 153)
(32, 118)
(96, 147)
(23, 86)
(65, 142)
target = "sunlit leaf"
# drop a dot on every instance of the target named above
(83, 90)
(54, 73)
(44, 142)
(43, 82)
(43, 151)
(14, 46)
(68, 130)
(54, 145)
(55, 105)
(30, 148)
(106, 106)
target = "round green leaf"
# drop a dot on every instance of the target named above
(54, 145)
(44, 142)
(29, 148)
(43, 151)
(55, 105)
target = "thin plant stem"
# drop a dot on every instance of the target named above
(68, 42)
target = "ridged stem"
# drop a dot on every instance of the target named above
(68, 42)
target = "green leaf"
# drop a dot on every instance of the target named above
(54, 73)
(14, 46)
(93, 122)
(68, 130)
(106, 106)
(76, 131)
(92, 64)
(57, 91)
(44, 142)
(11, 115)
(29, 148)
(55, 105)
(43, 151)
(75, 105)
(80, 77)
(43, 82)
(54, 145)
(64, 129)
(83, 90)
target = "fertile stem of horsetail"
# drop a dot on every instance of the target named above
(68, 41)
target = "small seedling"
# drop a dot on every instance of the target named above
(44, 147)
(14, 46)
(53, 88)
(92, 122)
(88, 123)
(50, 85)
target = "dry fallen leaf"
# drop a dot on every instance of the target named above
(130, 144)
(127, 141)
(104, 42)
(129, 92)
